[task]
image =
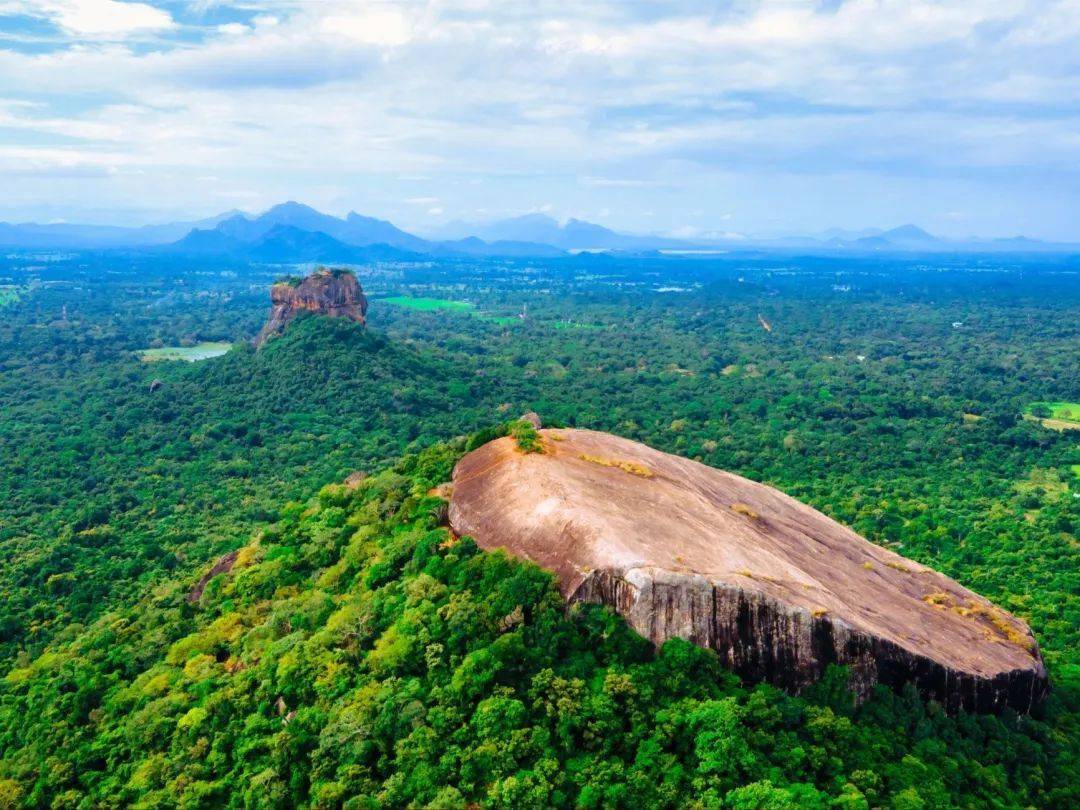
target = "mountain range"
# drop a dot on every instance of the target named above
(292, 231)
(72, 235)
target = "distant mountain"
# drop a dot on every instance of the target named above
(868, 242)
(352, 230)
(78, 236)
(575, 234)
(285, 231)
(62, 235)
(847, 235)
(909, 235)
(170, 231)
(206, 243)
(361, 230)
(283, 244)
(237, 234)
(474, 246)
(536, 228)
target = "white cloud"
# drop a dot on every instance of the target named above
(233, 29)
(94, 18)
(373, 26)
(593, 105)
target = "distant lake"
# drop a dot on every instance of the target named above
(190, 354)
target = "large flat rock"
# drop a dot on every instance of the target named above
(778, 589)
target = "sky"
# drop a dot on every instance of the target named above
(682, 118)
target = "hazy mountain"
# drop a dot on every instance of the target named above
(475, 246)
(74, 235)
(574, 234)
(846, 234)
(353, 230)
(206, 243)
(526, 235)
(276, 235)
(361, 230)
(283, 243)
(909, 235)
(170, 231)
(526, 228)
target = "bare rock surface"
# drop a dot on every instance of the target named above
(334, 293)
(778, 589)
(223, 565)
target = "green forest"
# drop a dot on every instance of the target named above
(355, 655)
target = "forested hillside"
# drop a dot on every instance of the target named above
(890, 397)
(356, 654)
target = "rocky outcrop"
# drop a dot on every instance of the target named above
(223, 565)
(777, 589)
(334, 293)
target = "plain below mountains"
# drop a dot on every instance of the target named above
(292, 231)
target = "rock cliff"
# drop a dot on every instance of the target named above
(777, 589)
(334, 293)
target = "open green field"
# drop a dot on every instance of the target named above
(502, 320)
(1063, 415)
(427, 304)
(422, 304)
(191, 354)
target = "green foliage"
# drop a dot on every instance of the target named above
(455, 677)
(426, 673)
(138, 483)
(526, 437)
(423, 304)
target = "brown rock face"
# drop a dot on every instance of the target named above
(334, 293)
(223, 565)
(777, 589)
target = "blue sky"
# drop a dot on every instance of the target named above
(669, 117)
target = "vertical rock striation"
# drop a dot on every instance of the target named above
(334, 293)
(777, 589)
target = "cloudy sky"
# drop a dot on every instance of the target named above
(669, 117)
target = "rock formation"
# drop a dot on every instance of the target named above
(223, 565)
(777, 589)
(334, 293)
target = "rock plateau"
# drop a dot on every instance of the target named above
(777, 589)
(334, 293)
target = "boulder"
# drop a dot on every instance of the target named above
(533, 418)
(776, 588)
